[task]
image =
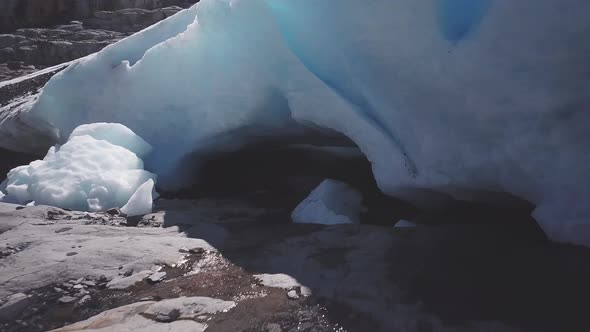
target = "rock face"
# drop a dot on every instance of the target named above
(129, 20)
(31, 49)
(15, 14)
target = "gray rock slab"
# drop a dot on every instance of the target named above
(100, 249)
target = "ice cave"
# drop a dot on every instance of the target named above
(295, 165)
(444, 98)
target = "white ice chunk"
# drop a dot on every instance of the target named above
(1, 196)
(83, 174)
(404, 224)
(114, 133)
(331, 203)
(141, 201)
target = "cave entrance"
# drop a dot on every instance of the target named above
(279, 173)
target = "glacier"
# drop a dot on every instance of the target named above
(98, 168)
(444, 97)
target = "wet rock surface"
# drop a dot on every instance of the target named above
(269, 274)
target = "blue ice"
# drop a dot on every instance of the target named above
(458, 18)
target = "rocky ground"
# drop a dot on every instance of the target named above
(232, 264)
(27, 50)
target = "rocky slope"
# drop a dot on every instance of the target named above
(16, 14)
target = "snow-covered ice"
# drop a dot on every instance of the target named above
(331, 203)
(438, 94)
(116, 134)
(96, 169)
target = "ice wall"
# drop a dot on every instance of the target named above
(439, 94)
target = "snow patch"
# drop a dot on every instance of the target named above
(281, 280)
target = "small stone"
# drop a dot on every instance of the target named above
(85, 299)
(78, 286)
(113, 211)
(103, 278)
(57, 289)
(66, 299)
(128, 273)
(157, 277)
(79, 280)
(72, 253)
(292, 295)
(183, 250)
(167, 317)
(147, 298)
(273, 327)
(197, 251)
(20, 207)
(67, 285)
(89, 283)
